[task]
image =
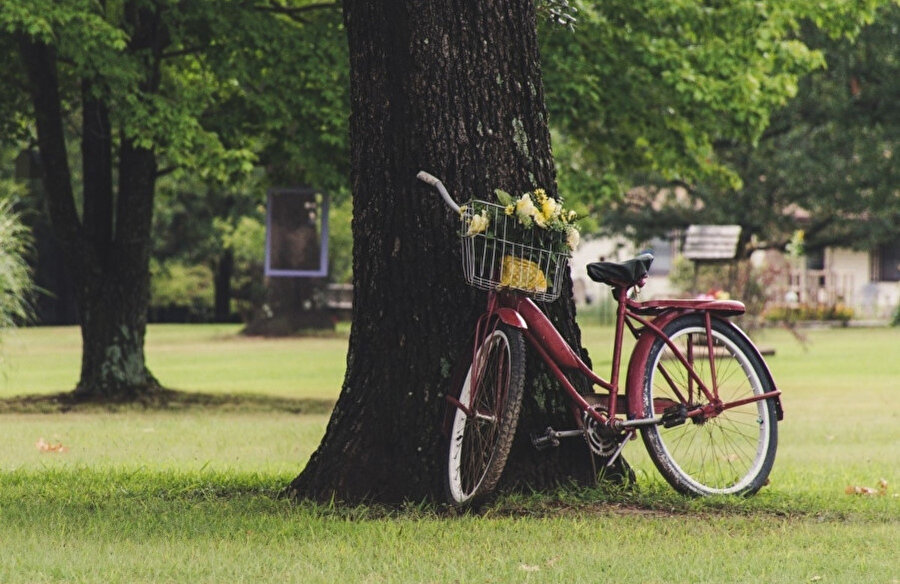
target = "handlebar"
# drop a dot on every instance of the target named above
(436, 183)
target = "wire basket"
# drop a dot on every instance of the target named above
(506, 255)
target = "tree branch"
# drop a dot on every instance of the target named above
(294, 12)
(166, 170)
(183, 52)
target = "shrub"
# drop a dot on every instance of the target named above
(16, 286)
(180, 292)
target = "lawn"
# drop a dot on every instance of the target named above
(194, 494)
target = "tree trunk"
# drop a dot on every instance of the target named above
(224, 270)
(452, 87)
(107, 248)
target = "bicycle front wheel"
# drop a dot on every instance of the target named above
(731, 452)
(480, 438)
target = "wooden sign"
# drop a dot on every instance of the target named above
(711, 242)
(296, 233)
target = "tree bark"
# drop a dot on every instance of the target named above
(224, 270)
(454, 88)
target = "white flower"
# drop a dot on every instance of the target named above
(573, 238)
(478, 223)
(525, 209)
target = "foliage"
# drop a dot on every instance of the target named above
(232, 74)
(176, 285)
(825, 162)
(651, 86)
(245, 236)
(340, 241)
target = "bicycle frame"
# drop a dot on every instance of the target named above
(521, 312)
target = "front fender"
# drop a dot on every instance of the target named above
(512, 317)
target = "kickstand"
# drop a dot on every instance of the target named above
(620, 448)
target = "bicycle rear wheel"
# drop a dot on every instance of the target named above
(479, 440)
(728, 453)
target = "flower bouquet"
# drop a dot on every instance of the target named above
(520, 243)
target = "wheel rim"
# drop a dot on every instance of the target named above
(722, 454)
(473, 439)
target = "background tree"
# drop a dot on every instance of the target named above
(825, 163)
(147, 85)
(652, 87)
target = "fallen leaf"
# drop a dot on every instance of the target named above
(881, 490)
(45, 446)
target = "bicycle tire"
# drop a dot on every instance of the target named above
(478, 445)
(732, 452)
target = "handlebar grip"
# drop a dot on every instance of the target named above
(427, 178)
(437, 184)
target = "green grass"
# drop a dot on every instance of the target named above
(192, 494)
(201, 358)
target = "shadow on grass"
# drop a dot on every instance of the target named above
(164, 400)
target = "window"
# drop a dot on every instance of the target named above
(815, 259)
(886, 263)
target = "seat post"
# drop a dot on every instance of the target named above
(621, 297)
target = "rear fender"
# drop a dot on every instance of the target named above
(636, 370)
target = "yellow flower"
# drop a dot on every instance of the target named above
(522, 274)
(510, 209)
(463, 209)
(478, 223)
(540, 195)
(550, 208)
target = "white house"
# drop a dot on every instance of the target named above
(866, 281)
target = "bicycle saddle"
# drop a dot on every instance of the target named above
(626, 274)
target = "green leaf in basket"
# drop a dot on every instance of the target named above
(503, 197)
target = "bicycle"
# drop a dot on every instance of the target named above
(696, 387)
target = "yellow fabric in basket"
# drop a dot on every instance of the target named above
(522, 274)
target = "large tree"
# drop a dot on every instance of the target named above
(454, 88)
(148, 87)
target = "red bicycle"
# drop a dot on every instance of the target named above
(696, 387)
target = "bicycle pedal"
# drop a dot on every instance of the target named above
(546, 440)
(674, 416)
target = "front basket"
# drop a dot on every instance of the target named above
(506, 255)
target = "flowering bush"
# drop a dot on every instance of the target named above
(536, 214)
(800, 312)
